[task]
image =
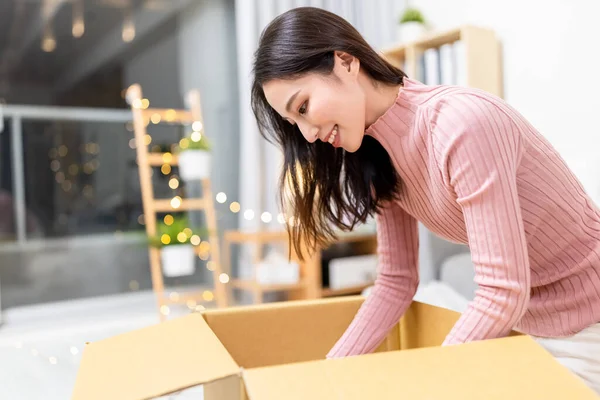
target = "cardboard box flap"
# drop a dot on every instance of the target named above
(284, 332)
(424, 325)
(153, 361)
(510, 368)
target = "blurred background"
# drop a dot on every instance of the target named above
(74, 247)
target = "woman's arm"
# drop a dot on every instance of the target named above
(479, 148)
(395, 286)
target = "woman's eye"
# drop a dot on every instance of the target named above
(302, 109)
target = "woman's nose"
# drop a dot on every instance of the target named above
(310, 132)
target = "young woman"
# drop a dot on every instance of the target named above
(360, 138)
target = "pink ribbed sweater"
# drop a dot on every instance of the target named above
(474, 171)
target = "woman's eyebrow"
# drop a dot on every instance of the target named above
(290, 101)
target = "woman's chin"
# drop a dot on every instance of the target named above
(349, 147)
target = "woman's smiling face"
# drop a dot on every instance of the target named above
(327, 108)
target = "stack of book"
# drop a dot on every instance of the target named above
(444, 65)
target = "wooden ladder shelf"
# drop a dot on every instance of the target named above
(151, 205)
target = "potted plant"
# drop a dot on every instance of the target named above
(194, 157)
(411, 25)
(175, 241)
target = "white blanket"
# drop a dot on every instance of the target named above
(438, 294)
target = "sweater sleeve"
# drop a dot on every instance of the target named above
(479, 150)
(394, 288)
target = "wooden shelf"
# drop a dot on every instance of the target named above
(253, 285)
(482, 57)
(169, 116)
(164, 205)
(439, 39)
(327, 292)
(271, 236)
(429, 41)
(255, 237)
(348, 237)
(395, 54)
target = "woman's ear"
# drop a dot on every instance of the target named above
(346, 63)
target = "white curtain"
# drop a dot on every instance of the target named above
(260, 162)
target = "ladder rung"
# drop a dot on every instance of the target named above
(169, 116)
(158, 159)
(186, 204)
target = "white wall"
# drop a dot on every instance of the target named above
(551, 67)
(207, 62)
(156, 69)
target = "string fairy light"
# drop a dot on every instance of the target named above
(134, 285)
(235, 207)
(176, 202)
(197, 126)
(249, 215)
(78, 28)
(167, 157)
(221, 197)
(173, 183)
(208, 295)
(196, 137)
(165, 169)
(204, 250)
(170, 115)
(128, 29)
(155, 118)
(52, 359)
(266, 217)
(191, 304)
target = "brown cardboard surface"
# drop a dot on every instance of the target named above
(510, 368)
(210, 348)
(282, 333)
(153, 361)
(230, 388)
(424, 325)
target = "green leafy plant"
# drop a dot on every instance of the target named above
(175, 233)
(195, 141)
(412, 15)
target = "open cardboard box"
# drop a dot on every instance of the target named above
(269, 352)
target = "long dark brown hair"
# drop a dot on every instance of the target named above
(325, 187)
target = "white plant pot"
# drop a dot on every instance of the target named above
(410, 31)
(178, 260)
(277, 269)
(194, 165)
(274, 274)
